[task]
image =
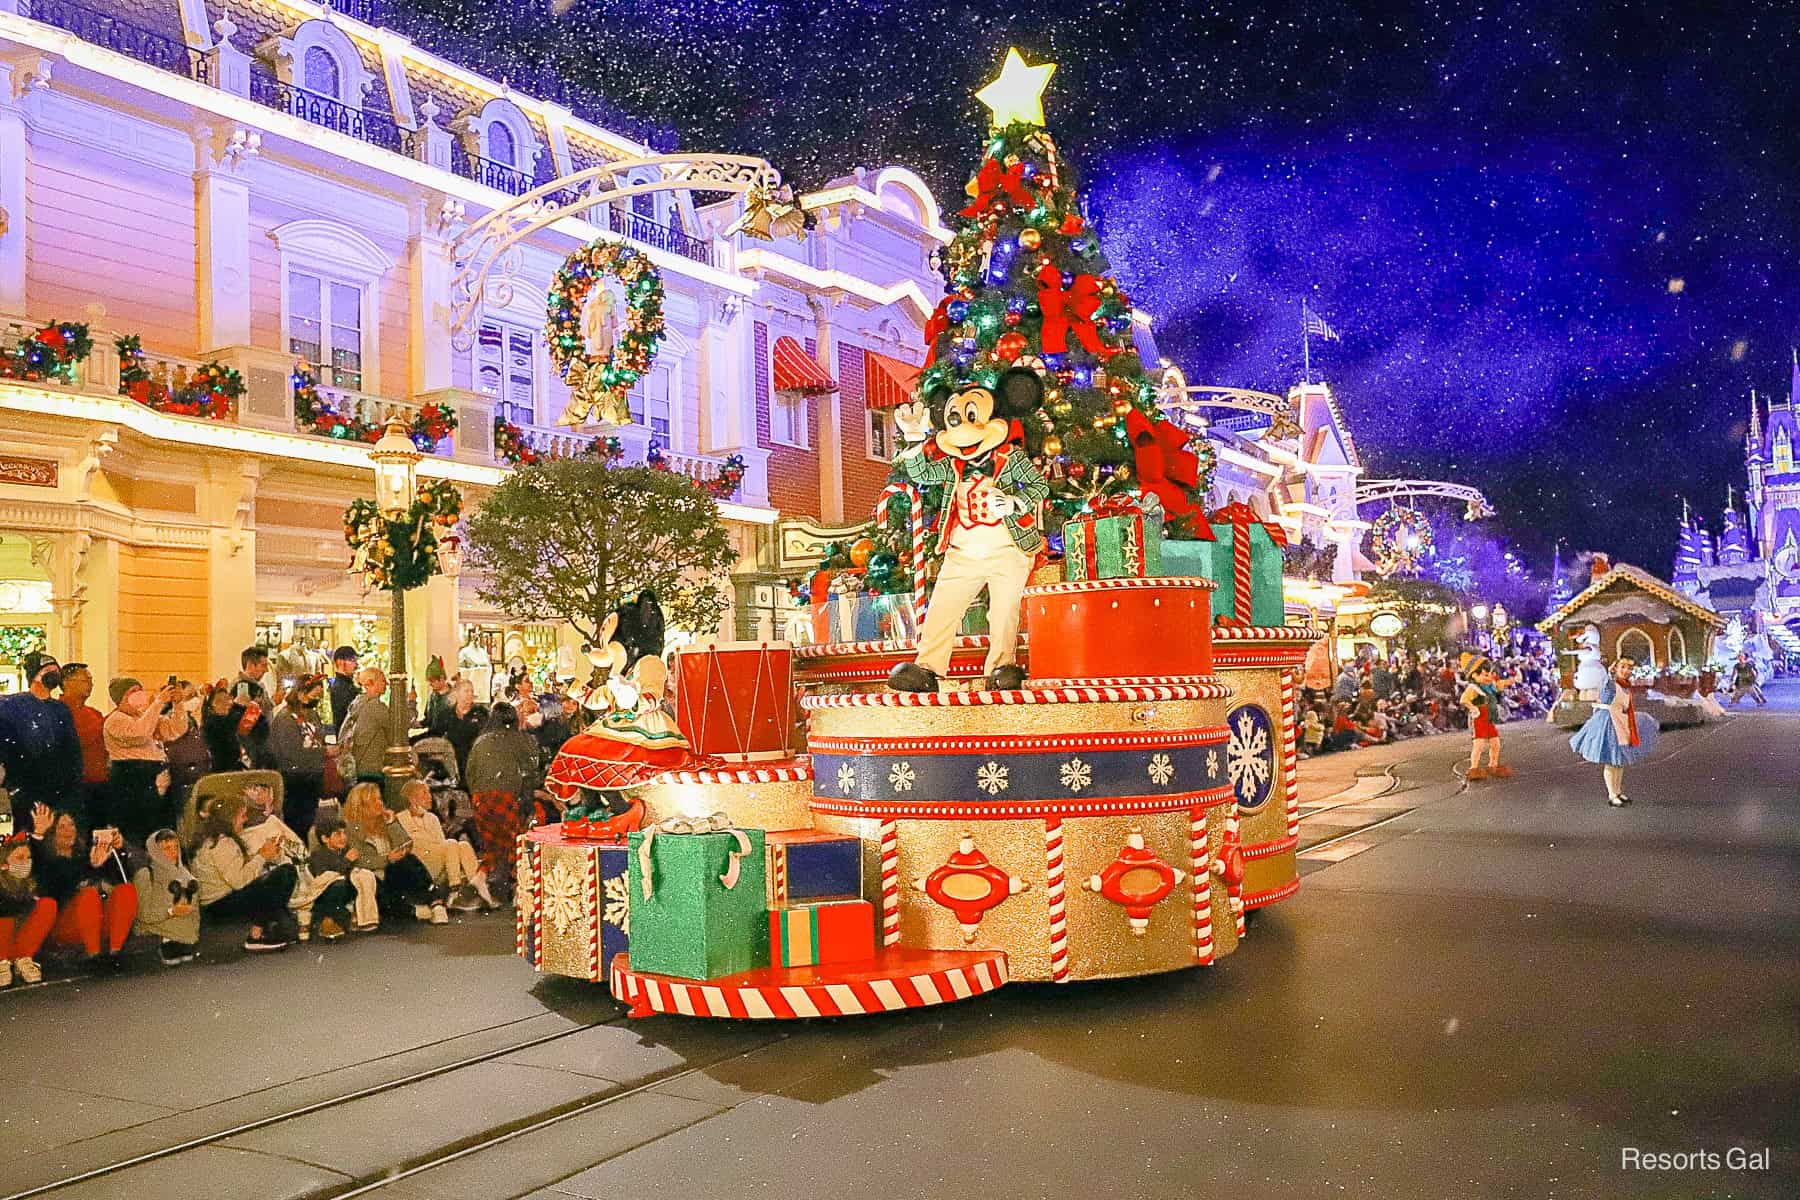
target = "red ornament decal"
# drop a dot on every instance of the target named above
(968, 885)
(1228, 865)
(1137, 881)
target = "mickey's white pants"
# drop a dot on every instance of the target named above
(976, 559)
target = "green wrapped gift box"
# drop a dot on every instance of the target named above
(1118, 544)
(1244, 542)
(692, 925)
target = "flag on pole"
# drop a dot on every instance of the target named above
(1316, 327)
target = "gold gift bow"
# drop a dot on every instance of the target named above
(717, 823)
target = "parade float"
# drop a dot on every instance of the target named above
(1068, 751)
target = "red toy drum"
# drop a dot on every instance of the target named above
(736, 699)
(1139, 628)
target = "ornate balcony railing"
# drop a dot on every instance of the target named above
(663, 237)
(366, 11)
(365, 124)
(105, 29)
(498, 176)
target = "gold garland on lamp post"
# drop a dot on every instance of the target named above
(395, 545)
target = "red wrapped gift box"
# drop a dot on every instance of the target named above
(1106, 628)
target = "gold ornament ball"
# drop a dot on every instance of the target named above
(1122, 472)
(1053, 445)
(1030, 239)
(1121, 408)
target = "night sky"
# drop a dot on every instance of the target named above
(1560, 241)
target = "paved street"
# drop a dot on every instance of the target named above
(1482, 992)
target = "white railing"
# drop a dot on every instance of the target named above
(373, 409)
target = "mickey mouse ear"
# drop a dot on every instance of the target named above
(1020, 391)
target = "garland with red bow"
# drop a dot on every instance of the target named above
(510, 446)
(53, 352)
(210, 391)
(994, 180)
(1070, 309)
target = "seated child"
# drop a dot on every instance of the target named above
(25, 917)
(167, 899)
(1312, 733)
(335, 855)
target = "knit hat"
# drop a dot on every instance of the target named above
(34, 662)
(435, 668)
(121, 687)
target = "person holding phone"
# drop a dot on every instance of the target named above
(383, 846)
(143, 796)
(87, 878)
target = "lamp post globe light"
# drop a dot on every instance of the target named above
(396, 462)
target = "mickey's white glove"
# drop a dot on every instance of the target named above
(913, 422)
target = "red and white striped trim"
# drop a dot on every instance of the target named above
(927, 811)
(526, 902)
(890, 883)
(900, 646)
(590, 885)
(860, 992)
(1129, 583)
(793, 770)
(1237, 901)
(1134, 681)
(971, 667)
(1290, 750)
(1210, 735)
(1265, 633)
(1201, 879)
(1054, 886)
(1066, 695)
(1273, 894)
(1256, 654)
(1269, 849)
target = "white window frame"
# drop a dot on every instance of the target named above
(885, 419)
(289, 55)
(336, 254)
(539, 363)
(1627, 642)
(639, 398)
(797, 403)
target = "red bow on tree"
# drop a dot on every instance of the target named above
(1071, 309)
(993, 179)
(1166, 468)
(936, 328)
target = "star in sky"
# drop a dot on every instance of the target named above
(1017, 95)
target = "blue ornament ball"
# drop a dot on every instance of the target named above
(958, 310)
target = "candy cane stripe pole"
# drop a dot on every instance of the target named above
(1237, 900)
(890, 882)
(1202, 878)
(1240, 573)
(916, 503)
(1290, 752)
(1053, 887)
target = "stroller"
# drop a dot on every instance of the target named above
(454, 807)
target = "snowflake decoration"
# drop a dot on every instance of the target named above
(992, 778)
(1212, 763)
(902, 776)
(846, 777)
(1161, 770)
(618, 903)
(1250, 756)
(1077, 774)
(562, 897)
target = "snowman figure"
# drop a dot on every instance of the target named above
(1590, 673)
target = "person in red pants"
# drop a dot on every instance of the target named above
(25, 917)
(87, 879)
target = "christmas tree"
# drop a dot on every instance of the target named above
(1026, 284)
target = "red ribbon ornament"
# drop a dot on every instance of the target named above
(1166, 468)
(994, 179)
(1070, 309)
(936, 327)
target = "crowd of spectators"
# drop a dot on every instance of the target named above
(256, 801)
(1377, 699)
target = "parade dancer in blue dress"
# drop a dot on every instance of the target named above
(1616, 735)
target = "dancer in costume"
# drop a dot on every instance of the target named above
(1482, 699)
(1617, 735)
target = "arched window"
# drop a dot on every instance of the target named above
(501, 147)
(320, 73)
(1677, 646)
(1635, 644)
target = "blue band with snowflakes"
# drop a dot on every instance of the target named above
(1002, 778)
(1251, 755)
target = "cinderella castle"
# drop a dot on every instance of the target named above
(1752, 572)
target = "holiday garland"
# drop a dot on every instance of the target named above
(16, 641)
(315, 413)
(210, 391)
(510, 446)
(599, 381)
(53, 352)
(401, 554)
(1401, 540)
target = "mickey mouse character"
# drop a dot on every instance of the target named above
(989, 534)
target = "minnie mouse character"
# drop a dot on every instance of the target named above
(989, 535)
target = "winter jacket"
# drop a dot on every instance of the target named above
(503, 760)
(155, 900)
(223, 866)
(296, 742)
(220, 732)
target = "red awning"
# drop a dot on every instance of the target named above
(887, 382)
(797, 371)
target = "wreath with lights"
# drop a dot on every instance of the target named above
(210, 391)
(53, 352)
(401, 554)
(599, 382)
(1401, 540)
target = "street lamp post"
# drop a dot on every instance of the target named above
(396, 462)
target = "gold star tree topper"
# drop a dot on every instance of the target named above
(1017, 95)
